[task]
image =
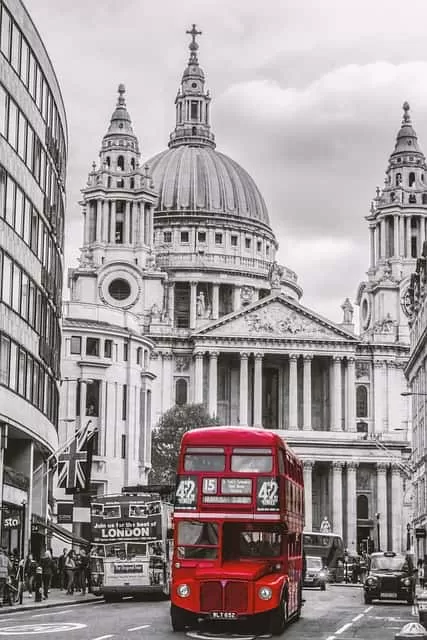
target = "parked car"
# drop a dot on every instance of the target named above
(316, 574)
(422, 607)
(391, 576)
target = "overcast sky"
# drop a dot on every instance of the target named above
(307, 97)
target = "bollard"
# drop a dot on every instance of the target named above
(412, 631)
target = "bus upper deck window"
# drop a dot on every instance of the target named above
(204, 459)
(252, 463)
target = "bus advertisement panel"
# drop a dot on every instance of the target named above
(131, 545)
(238, 521)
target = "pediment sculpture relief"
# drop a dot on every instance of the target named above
(279, 321)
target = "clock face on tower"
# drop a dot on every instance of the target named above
(119, 288)
(406, 303)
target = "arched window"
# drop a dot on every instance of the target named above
(132, 183)
(412, 199)
(108, 161)
(362, 402)
(181, 391)
(109, 181)
(392, 196)
(362, 507)
(121, 163)
(132, 163)
(411, 178)
(139, 355)
(398, 179)
(194, 131)
(424, 198)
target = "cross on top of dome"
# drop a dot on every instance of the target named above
(193, 46)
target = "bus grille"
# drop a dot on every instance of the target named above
(234, 596)
(211, 596)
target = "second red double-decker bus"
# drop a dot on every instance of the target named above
(238, 521)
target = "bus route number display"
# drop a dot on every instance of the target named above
(267, 497)
(186, 492)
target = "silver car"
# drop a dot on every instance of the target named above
(315, 574)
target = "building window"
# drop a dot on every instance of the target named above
(218, 238)
(362, 507)
(247, 243)
(267, 250)
(119, 289)
(120, 163)
(125, 351)
(92, 398)
(184, 236)
(181, 391)
(167, 236)
(424, 198)
(125, 402)
(412, 198)
(411, 179)
(92, 346)
(259, 246)
(201, 236)
(123, 446)
(362, 402)
(139, 355)
(108, 348)
(76, 345)
(234, 241)
(194, 110)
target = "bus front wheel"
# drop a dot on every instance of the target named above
(279, 617)
(180, 619)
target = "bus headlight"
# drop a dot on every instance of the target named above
(371, 581)
(265, 593)
(183, 590)
(406, 582)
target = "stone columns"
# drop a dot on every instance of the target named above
(86, 218)
(396, 249)
(112, 221)
(293, 391)
(396, 507)
(382, 238)
(308, 494)
(198, 378)
(336, 395)
(401, 237)
(352, 506)
(337, 467)
(167, 382)
(379, 396)
(193, 301)
(258, 390)
(215, 301)
(351, 394)
(307, 392)
(372, 246)
(408, 236)
(126, 222)
(171, 302)
(382, 504)
(98, 215)
(236, 298)
(243, 397)
(213, 382)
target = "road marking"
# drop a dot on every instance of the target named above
(368, 609)
(357, 617)
(51, 613)
(143, 626)
(330, 638)
(103, 637)
(35, 629)
(343, 628)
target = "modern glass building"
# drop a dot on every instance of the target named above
(33, 153)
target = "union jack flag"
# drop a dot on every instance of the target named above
(74, 463)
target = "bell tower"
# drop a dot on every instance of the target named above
(119, 197)
(397, 225)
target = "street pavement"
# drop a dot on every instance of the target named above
(335, 614)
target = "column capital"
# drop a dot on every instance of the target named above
(258, 356)
(193, 283)
(199, 354)
(352, 465)
(337, 464)
(308, 465)
(337, 359)
(382, 467)
(351, 360)
(213, 354)
(167, 355)
(244, 356)
(308, 357)
(379, 363)
(396, 469)
(293, 356)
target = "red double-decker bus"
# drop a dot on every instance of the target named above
(238, 521)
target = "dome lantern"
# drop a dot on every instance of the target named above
(192, 103)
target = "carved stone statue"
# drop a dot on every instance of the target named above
(200, 305)
(325, 526)
(155, 312)
(276, 272)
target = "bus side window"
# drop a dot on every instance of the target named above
(281, 462)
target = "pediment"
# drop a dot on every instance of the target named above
(277, 317)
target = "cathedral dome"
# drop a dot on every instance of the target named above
(198, 179)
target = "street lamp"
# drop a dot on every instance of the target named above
(377, 515)
(408, 537)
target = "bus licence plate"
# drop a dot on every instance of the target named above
(223, 615)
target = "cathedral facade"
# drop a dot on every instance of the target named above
(178, 298)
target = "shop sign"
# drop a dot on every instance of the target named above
(420, 532)
(12, 522)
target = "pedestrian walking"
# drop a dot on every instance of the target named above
(20, 581)
(70, 567)
(84, 570)
(38, 583)
(61, 569)
(47, 569)
(29, 573)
